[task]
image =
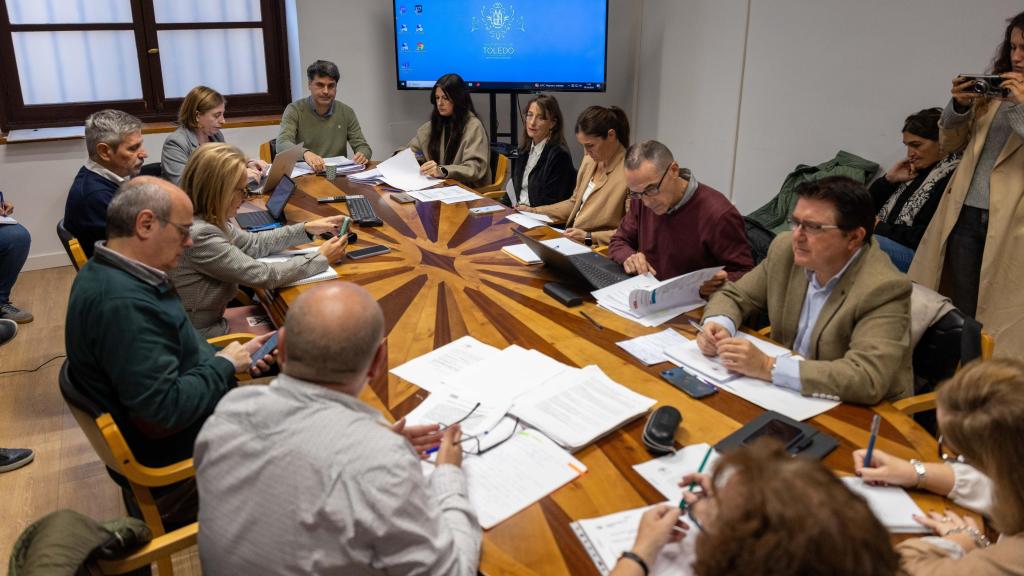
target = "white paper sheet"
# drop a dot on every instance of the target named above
(505, 376)
(689, 355)
(514, 475)
(522, 252)
(528, 221)
(372, 176)
(7, 220)
(782, 400)
(431, 369)
(650, 349)
(403, 172)
(577, 407)
(665, 473)
(446, 194)
(446, 409)
(607, 537)
(891, 504)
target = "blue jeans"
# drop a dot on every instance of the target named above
(14, 243)
(899, 254)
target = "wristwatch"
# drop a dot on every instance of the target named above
(589, 239)
(920, 470)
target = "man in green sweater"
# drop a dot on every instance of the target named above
(325, 126)
(130, 345)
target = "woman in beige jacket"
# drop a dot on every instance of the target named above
(981, 415)
(600, 200)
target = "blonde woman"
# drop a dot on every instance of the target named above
(200, 119)
(981, 416)
(222, 256)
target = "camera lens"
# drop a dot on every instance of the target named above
(979, 87)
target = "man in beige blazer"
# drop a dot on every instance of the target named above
(831, 294)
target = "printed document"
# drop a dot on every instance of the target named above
(607, 537)
(445, 409)
(403, 172)
(650, 349)
(430, 370)
(505, 376)
(665, 473)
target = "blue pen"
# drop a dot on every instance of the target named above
(871, 440)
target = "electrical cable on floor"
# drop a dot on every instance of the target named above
(6, 372)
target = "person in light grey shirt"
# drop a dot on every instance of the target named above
(301, 477)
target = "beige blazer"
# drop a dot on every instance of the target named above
(918, 557)
(860, 345)
(606, 206)
(1000, 297)
(471, 164)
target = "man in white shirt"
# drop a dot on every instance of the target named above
(301, 477)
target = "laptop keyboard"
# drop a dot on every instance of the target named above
(597, 270)
(254, 219)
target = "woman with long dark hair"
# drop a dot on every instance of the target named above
(454, 143)
(543, 173)
(971, 250)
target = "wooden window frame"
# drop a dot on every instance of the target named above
(153, 106)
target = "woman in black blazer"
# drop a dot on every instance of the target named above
(551, 176)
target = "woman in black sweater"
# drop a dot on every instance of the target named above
(543, 173)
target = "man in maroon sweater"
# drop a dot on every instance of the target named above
(676, 225)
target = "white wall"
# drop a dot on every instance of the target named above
(818, 76)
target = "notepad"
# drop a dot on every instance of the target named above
(515, 474)
(577, 407)
(329, 274)
(650, 349)
(607, 537)
(522, 253)
(665, 473)
(891, 505)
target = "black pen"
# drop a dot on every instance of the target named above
(592, 321)
(389, 189)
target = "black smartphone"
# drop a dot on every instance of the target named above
(777, 429)
(368, 251)
(688, 383)
(267, 348)
(402, 198)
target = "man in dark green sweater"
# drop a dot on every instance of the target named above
(130, 345)
(325, 126)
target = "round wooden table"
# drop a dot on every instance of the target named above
(447, 277)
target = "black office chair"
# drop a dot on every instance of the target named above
(71, 246)
(950, 341)
(152, 169)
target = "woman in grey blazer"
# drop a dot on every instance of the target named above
(222, 256)
(199, 121)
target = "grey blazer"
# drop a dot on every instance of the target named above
(177, 149)
(212, 268)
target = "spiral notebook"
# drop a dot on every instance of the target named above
(605, 538)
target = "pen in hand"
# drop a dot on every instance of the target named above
(871, 440)
(693, 483)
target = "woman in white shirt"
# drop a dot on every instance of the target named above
(543, 173)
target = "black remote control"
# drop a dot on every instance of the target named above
(330, 199)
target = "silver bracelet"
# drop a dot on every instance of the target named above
(980, 540)
(920, 470)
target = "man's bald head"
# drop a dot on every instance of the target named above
(332, 334)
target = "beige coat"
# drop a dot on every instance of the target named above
(606, 206)
(860, 346)
(918, 557)
(471, 163)
(1000, 296)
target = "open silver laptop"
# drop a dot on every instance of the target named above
(283, 164)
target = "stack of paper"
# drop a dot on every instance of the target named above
(607, 537)
(447, 194)
(505, 376)
(403, 172)
(447, 409)
(430, 370)
(710, 367)
(648, 301)
(576, 407)
(891, 505)
(371, 177)
(523, 253)
(650, 349)
(665, 473)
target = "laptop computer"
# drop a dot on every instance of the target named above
(283, 164)
(590, 269)
(274, 214)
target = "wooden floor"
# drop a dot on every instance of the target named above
(66, 472)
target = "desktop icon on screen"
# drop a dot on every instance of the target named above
(405, 65)
(401, 9)
(419, 28)
(405, 46)
(418, 8)
(419, 46)
(403, 28)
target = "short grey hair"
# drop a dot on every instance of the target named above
(131, 198)
(323, 68)
(109, 127)
(332, 333)
(648, 151)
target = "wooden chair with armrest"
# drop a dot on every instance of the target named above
(156, 551)
(501, 175)
(268, 150)
(925, 402)
(110, 445)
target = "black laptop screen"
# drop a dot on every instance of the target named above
(282, 192)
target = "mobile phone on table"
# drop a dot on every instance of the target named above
(368, 251)
(402, 198)
(267, 348)
(688, 383)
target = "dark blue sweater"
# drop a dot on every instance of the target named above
(85, 214)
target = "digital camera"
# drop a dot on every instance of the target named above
(987, 85)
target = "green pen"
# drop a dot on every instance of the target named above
(693, 483)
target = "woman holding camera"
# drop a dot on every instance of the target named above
(971, 251)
